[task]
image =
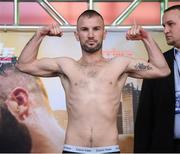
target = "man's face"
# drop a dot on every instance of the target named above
(171, 23)
(90, 33)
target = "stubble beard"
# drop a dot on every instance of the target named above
(170, 42)
(93, 49)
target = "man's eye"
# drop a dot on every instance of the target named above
(96, 29)
(170, 24)
(84, 29)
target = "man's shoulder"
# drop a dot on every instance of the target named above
(169, 54)
(120, 58)
(169, 51)
(66, 59)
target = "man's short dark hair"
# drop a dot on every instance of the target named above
(174, 7)
(89, 14)
(14, 136)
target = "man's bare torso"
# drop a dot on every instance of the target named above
(93, 97)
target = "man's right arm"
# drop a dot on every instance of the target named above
(28, 62)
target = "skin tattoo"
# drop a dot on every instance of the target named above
(142, 67)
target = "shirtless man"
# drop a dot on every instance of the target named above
(92, 84)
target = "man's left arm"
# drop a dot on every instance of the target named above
(157, 65)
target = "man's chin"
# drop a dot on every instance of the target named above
(170, 42)
(91, 51)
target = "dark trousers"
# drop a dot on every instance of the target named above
(177, 145)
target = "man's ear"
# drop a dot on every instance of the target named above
(76, 35)
(105, 33)
(18, 103)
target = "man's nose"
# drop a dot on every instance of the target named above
(166, 29)
(90, 34)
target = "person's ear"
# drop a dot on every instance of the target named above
(105, 33)
(18, 103)
(76, 35)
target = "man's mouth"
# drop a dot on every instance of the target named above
(91, 42)
(168, 36)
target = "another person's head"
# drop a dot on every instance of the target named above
(27, 101)
(19, 90)
(14, 136)
(171, 23)
(90, 31)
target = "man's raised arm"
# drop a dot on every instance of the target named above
(27, 61)
(157, 65)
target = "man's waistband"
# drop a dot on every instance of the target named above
(78, 149)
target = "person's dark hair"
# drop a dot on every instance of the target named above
(14, 137)
(89, 14)
(174, 7)
(4, 66)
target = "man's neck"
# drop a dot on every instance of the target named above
(177, 45)
(91, 58)
(41, 125)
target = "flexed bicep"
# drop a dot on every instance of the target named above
(157, 65)
(140, 68)
(28, 62)
(45, 67)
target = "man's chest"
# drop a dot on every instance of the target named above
(94, 79)
(91, 76)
